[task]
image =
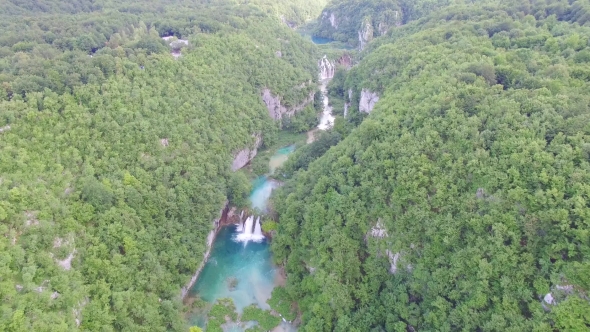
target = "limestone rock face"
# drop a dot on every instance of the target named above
(345, 61)
(278, 111)
(382, 28)
(365, 34)
(273, 104)
(331, 17)
(333, 21)
(367, 101)
(243, 157)
(393, 258)
(347, 103)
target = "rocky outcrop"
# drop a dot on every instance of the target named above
(393, 258)
(278, 111)
(379, 230)
(175, 45)
(243, 157)
(347, 103)
(327, 68)
(288, 23)
(382, 28)
(333, 21)
(560, 293)
(210, 239)
(345, 61)
(368, 101)
(365, 34)
(5, 128)
(331, 17)
(78, 311)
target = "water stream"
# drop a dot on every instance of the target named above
(240, 265)
(326, 119)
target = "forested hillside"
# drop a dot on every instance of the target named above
(115, 158)
(461, 202)
(357, 22)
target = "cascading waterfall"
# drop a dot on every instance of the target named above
(258, 229)
(250, 231)
(327, 68)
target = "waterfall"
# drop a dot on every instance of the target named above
(326, 119)
(248, 226)
(249, 231)
(257, 228)
(327, 68)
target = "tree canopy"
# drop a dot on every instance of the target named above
(115, 157)
(462, 200)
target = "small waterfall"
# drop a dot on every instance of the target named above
(257, 228)
(327, 68)
(248, 226)
(249, 231)
(326, 119)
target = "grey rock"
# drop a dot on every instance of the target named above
(368, 101)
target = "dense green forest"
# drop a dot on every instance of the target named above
(347, 20)
(115, 157)
(461, 202)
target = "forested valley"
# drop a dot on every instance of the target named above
(453, 192)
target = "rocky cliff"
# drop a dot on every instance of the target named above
(330, 17)
(345, 61)
(210, 239)
(365, 34)
(277, 111)
(357, 23)
(243, 157)
(368, 100)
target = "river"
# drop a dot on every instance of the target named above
(240, 265)
(242, 269)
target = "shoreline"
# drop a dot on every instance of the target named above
(218, 224)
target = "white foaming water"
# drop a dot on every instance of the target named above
(258, 229)
(247, 233)
(327, 119)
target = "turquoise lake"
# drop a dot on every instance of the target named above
(320, 40)
(242, 271)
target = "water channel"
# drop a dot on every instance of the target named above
(240, 265)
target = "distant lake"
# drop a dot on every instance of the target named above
(320, 40)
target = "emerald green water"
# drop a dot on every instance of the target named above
(249, 265)
(242, 271)
(320, 40)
